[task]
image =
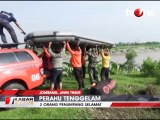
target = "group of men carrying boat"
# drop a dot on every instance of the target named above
(52, 58)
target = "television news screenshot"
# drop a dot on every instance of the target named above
(79, 59)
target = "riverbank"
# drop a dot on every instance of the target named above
(138, 47)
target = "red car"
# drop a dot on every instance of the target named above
(20, 69)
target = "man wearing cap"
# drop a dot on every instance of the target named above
(5, 19)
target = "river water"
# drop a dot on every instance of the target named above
(120, 57)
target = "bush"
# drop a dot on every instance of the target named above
(129, 65)
(131, 54)
(157, 72)
(149, 67)
(67, 69)
(114, 69)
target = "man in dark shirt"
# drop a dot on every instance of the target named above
(5, 19)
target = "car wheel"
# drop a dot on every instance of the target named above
(11, 86)
(14, 86)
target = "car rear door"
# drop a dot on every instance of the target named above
(6, 69)
(31, 66)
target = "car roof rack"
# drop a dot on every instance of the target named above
(10, 45)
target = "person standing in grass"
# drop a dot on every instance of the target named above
(76, 54)
(47, 62)
(57, 63)
(92, 69)
(46, 59)
(105, 64)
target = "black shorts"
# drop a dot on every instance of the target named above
(78, 72)
(56, 76)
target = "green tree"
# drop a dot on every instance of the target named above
(129, 65)
(149, 67)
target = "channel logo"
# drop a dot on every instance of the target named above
(139, 12)
(8, 101)
(19, 100)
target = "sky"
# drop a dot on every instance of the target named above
(102, 20)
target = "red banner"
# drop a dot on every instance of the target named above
(135, 104)
(41, 92)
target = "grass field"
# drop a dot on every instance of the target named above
(127, 84)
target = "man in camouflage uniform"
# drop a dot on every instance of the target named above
(92, 69)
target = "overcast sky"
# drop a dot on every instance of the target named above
(106, 20)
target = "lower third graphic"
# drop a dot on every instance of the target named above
(19, 100)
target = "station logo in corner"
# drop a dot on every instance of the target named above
(139, 12)
(19, 100)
